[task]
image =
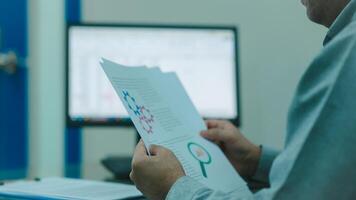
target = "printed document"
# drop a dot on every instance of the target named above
(65, 188)
(163, 114)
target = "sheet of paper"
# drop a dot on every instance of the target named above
(141, 94)
(163, 114)
(64, 188)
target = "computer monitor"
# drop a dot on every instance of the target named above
(205, 59)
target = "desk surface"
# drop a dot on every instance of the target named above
(90, 171)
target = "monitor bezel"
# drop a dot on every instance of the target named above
(126, 122)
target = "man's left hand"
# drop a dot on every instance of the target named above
(154, 175)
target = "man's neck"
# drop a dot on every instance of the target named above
(333, 11)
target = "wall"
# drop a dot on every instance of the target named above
(13, 92)
(46, 87)
(277, 43)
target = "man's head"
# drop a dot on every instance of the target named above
(324, 11)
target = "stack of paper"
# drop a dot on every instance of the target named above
(64, 188)
(163, 114)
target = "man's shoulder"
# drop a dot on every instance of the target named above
(347, 37)
(341, 52)
(350, 30)
(332, 66)
(342, 47)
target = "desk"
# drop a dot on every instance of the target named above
(92, 171)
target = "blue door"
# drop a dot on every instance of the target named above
(13, 92)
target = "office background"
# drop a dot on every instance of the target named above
(277, 42)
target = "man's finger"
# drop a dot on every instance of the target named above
(216, 135)
(215, 124)
(212, 123)
(156, 149)
(140, 152)
(131, 177)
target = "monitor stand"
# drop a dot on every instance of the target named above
(119, 166)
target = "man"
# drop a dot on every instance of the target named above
(318, 160)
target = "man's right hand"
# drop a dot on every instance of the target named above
(242, 154)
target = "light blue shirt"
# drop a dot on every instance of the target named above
(319, 158)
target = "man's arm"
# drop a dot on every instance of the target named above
(187, 188)
(324, 164)
(268, 155)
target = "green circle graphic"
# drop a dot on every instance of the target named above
(190, 144)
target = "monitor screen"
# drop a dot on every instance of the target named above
(204, 58)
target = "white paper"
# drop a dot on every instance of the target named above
(64, 188)
(163, 114)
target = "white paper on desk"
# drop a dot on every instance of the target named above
(64, 188)
(174, 123)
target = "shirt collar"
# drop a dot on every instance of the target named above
(346, 17)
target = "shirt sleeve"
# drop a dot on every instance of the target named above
(268, 155)
(188, 188)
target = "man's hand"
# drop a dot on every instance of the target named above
(243, 155)
(154, 175)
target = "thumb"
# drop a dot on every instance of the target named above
(217, 135)
(155, 149)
